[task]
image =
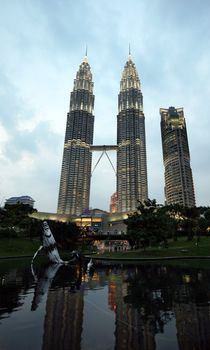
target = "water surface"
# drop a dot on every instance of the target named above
(141, 306)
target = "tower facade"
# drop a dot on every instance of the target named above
(131, 153)
(74, 189)
(179, 188)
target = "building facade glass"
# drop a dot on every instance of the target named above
(179, 188)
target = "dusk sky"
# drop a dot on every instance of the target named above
(42, 44)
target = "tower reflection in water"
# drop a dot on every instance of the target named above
(148, 299)
(64, 306)
(152, 305)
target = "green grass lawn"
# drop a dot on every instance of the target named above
(21, 247)
(182, 247)
(17, 247)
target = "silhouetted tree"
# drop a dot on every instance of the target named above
(14, 218)
(149, 224)
(66, 234)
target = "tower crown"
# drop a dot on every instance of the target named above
(82, 97)
(84, 77)
(173, 117)
(130, 96)
(130, 78)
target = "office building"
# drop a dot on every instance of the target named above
(74, 189)
(27, 200)
(179, 187)
(131, 142)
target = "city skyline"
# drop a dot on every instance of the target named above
(170, 46)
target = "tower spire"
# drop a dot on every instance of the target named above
(129, 52)
(86, 50)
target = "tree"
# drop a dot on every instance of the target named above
(204, 221)
(149, 224)
(190, 222)
(66, 234)
(15, 218)
(207, 216)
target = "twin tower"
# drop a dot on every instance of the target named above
(132, 185)
(74, 192)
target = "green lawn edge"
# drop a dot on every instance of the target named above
(17, 247)
(181, 248)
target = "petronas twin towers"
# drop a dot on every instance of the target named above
(74, 190)
(131, 152)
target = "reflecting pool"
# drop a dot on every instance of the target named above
(142, 306)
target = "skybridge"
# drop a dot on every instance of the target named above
(103, 149)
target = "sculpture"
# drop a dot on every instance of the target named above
(44, 282)
(49, 245)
